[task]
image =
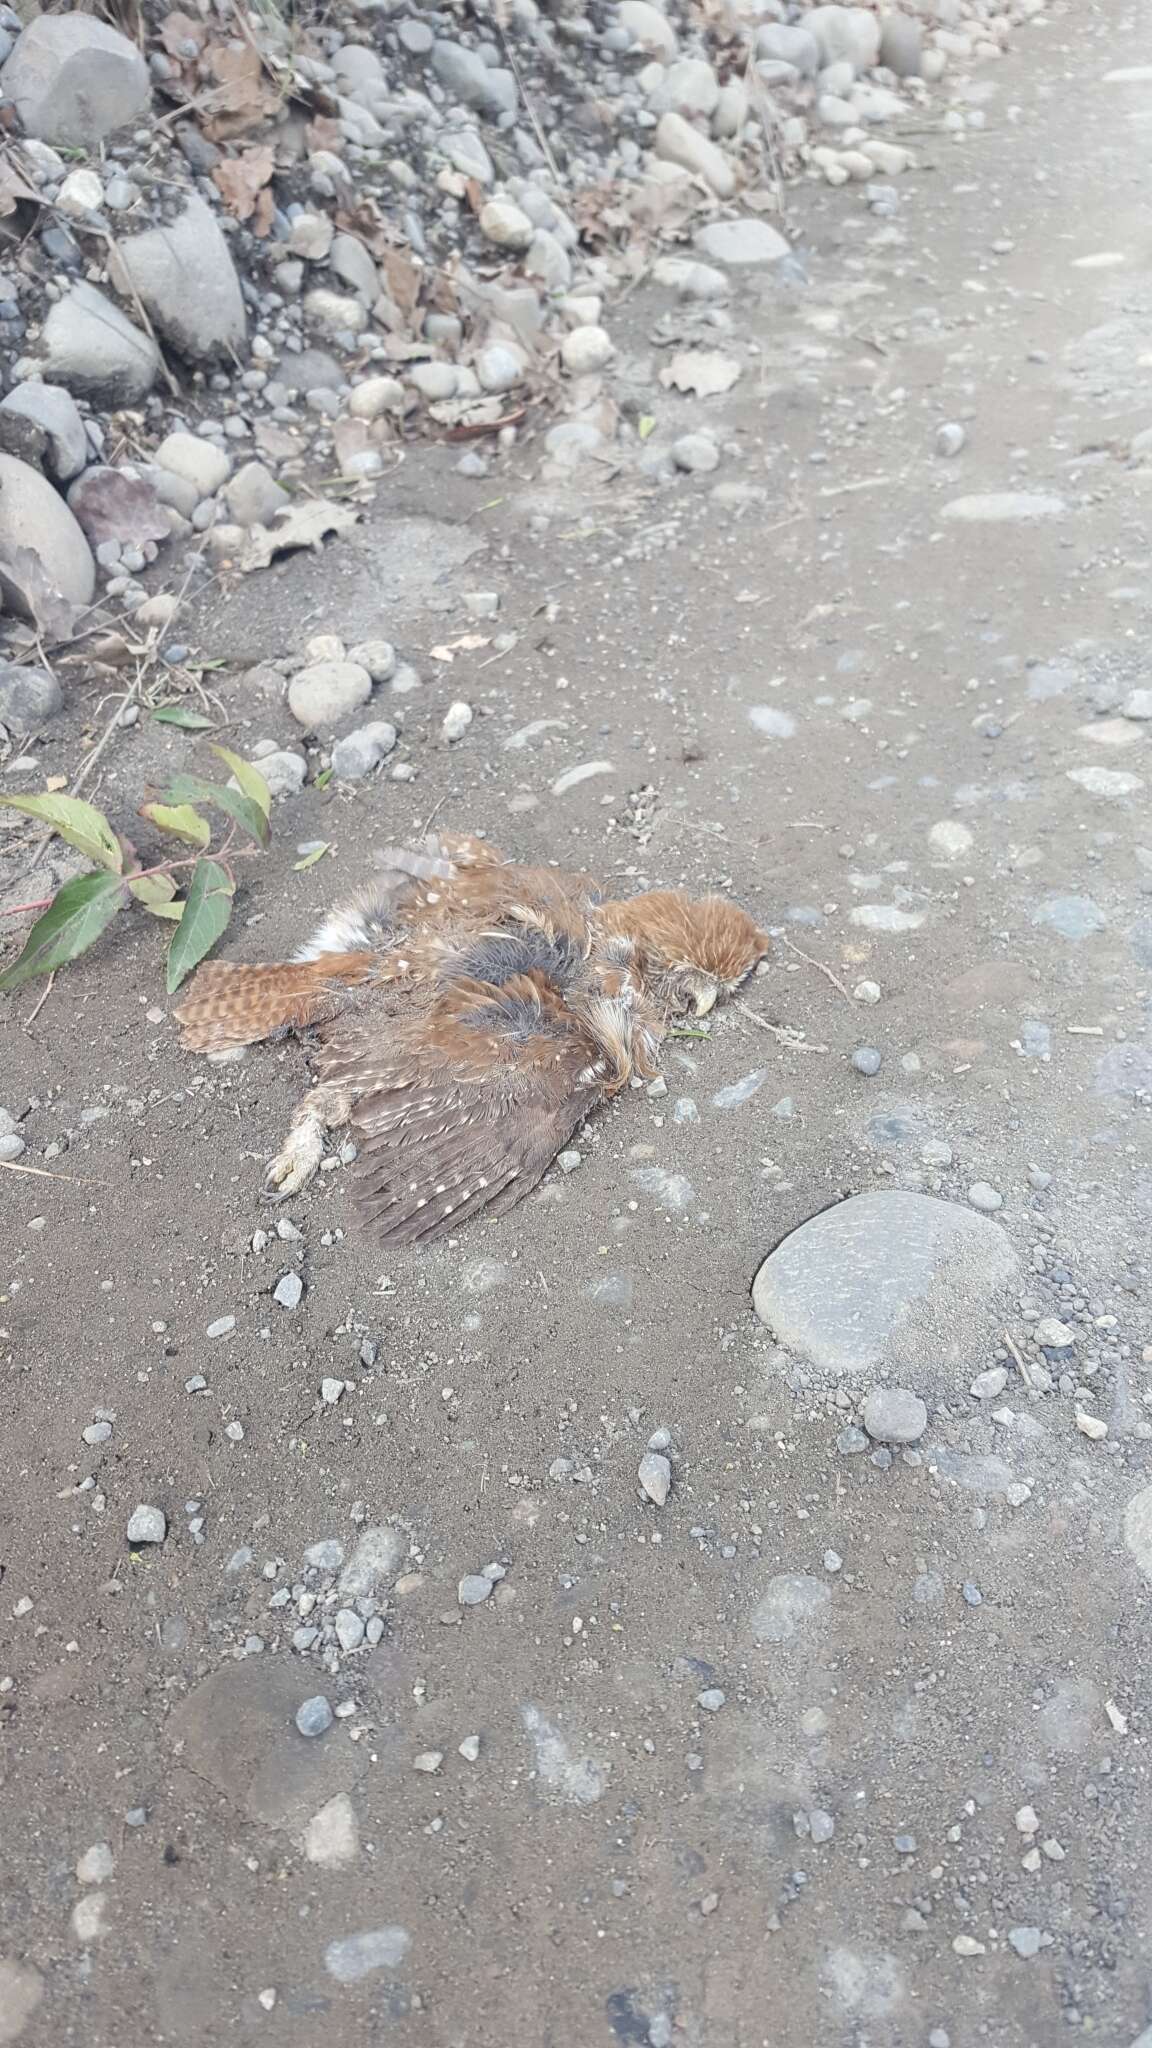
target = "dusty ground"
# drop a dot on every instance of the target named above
(617, 1862)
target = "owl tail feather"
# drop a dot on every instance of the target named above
(228, 1006)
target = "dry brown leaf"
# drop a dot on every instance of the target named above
(13, 187)
(402, 280)
(467, 643)
(241, 180)
(324, 132)
(241, 97)
(302, 526)
(177, 30)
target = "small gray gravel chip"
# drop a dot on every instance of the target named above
(289, 1291)
(866, 1059)
(711, 1699)
(984, 1196)
(1027, 1941)
(147, 1525)
(314, 1716)
(97, 1432)
(894, 1415)
(222, 1327)
(851, 1441)
(655, 1476)
(821, 1825)
(473, 1589)
(972, 1594)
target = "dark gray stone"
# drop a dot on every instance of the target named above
(28, 697)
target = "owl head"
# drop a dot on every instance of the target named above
(693, 948)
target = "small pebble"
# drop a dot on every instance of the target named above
(429, 1760)
(469, 1749)
(867, 992)
(894, 1415)
(972, 1594)
(821, 1826)
(147, 1525)
(866, 1060)
(473, 1589)
(314, 1716)
(222, 1327)
(712, 1699)
(950, 438)
(289, 1291)
(985, 1197)
(655, 1475)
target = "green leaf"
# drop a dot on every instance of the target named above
(206, 913)
(310, 859)
(157, 893)
(73, 921)
(250, 779)
(81, 824)
(323, 779)
(645, 425)
(181, 715)
(180, 821)
(249, 816)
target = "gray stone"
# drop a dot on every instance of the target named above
(795, 46)
(1138, 1531)
(464, 74)
(326, 692)
(506, 225)
(93, 349)
(655, 1475)
(289, 1291)
(35, 523)
(359, 752)
(1027, 1941)
(351, 263)
(885, 1279)
(1137, 704)
(866, 1060)
(182, 272)
(500, 367)
(253, 496)
(790, 1602)
(332, 1837)
(375, 1559)
(57, 424)
(741, 241)
(985, 1197)
(314, 1716)
(377, 656)
(473, 1589)
(21, 1991)
(648, 28)
(466, 153)
(894, 1415)
(283, 771)
(1073, 917)
(73, 80)
(28, 696)
(689, 86)
(689, 279)
(349, 1629)
(678, 142)
(195, 461)
(325, 1556)
(12, 1146)
(147, 1525)
(696, 453)
(901, 44)
(358, 1955)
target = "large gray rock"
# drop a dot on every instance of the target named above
(184, 276)
(92, 348)
(775, 39)
(35, 521)
(901, 44)
(52, 420)
(468, 78)
(28, 697)
(887, 1279)
(74, 80)
(325, 693)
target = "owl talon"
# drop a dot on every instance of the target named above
(296, 1163)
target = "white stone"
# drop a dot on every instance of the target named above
(586, 349)
(677, 142)
(845, 34)
(995, 507)
(951, 838)
(741, 241)
(500, 367)
(335, 312)
(689, 86)
(456, 721)
(505, 225)
(374, 396)
(655, 1475)
(96, 1864)
(80, 194)
(198, 461)
(332, 1837)
(377, 656)
(648, 27)
(1106, 782)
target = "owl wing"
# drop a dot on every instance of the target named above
(463, 1108)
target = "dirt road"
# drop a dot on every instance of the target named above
(846, 1743)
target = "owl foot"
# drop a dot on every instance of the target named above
(297, 1161)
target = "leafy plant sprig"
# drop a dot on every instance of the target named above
(194, 892)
